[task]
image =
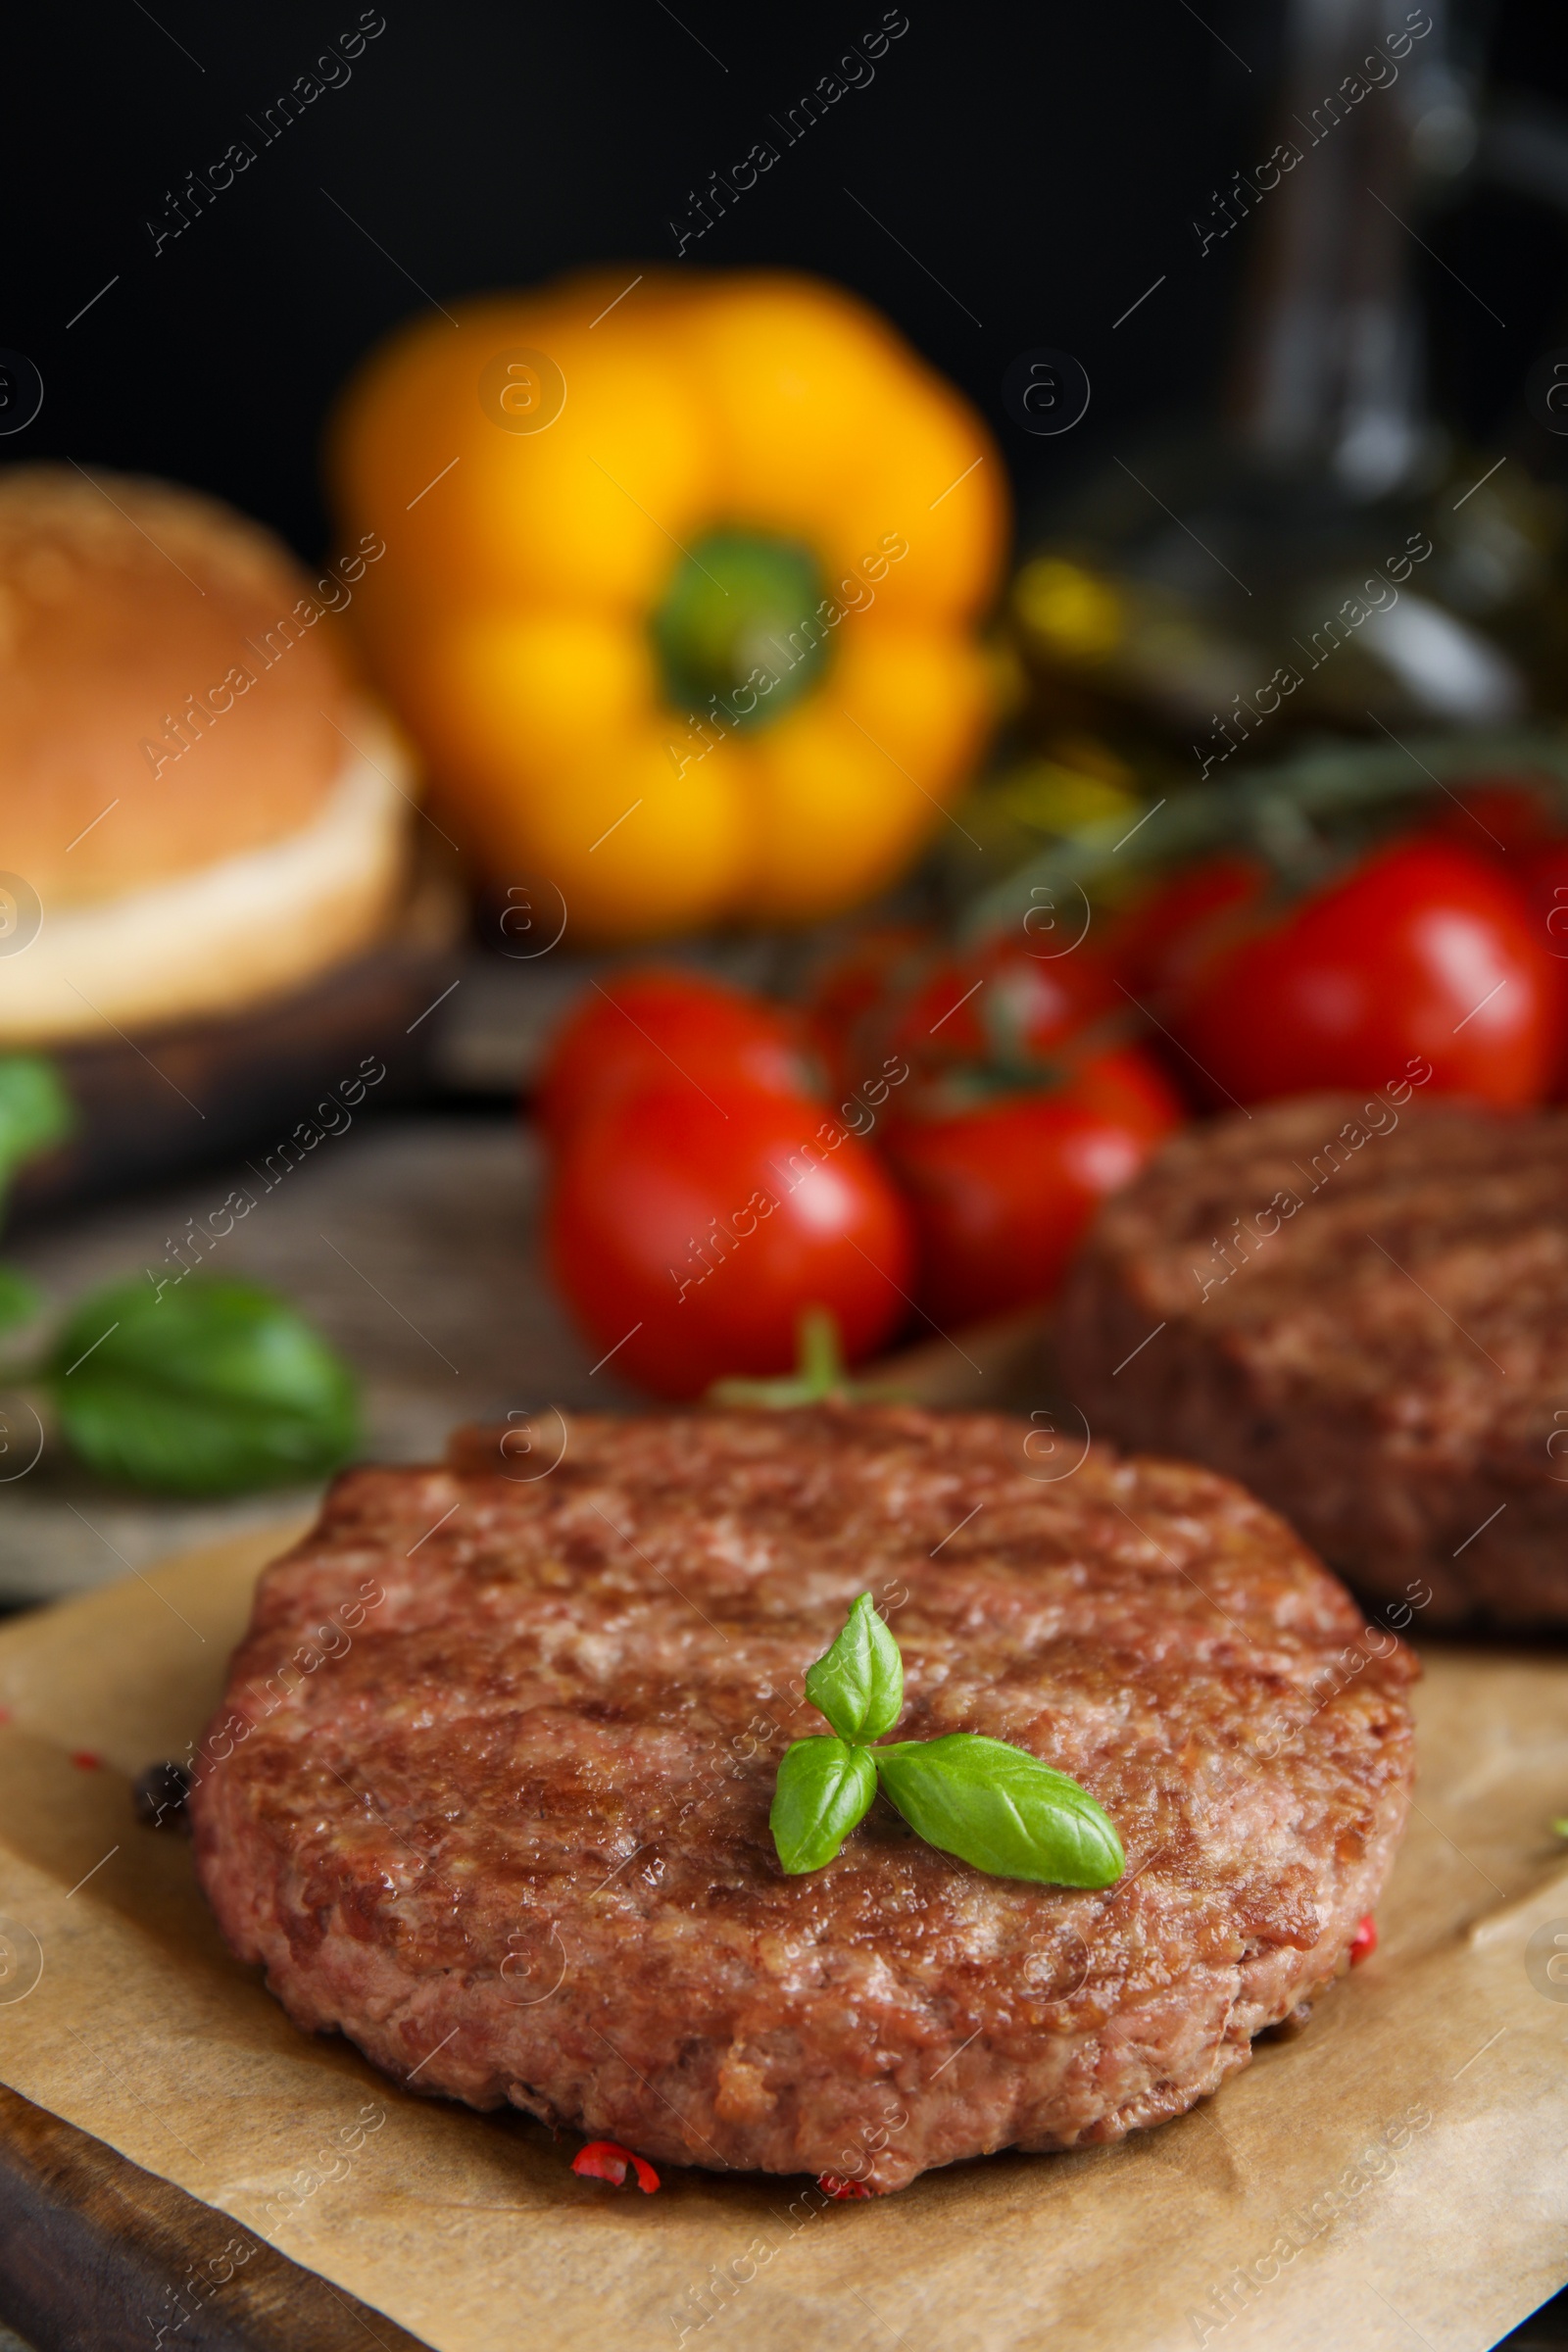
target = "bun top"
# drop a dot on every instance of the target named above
(169, 684)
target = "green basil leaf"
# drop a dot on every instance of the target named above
(824, 1787)
(19, 1300)
(209, 1388)
(36, 1111)
(858, 1685)
(1001, 1809)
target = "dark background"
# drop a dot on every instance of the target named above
(1044, 166)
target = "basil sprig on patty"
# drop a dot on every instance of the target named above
(989, 1803)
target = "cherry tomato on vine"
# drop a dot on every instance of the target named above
(1002, 1190)
(1498, 815)
(1002, 1003)
(657, 1022)
(1422, 953)
(927, 1008)
(846, 1002)
(689, 1230)
(1517, 821)
(1541, 873)
(1160, 940)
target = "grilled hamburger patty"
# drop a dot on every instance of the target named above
(1362, 1313)
(513, 1837)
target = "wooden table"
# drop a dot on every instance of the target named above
(411, 1244)
(407, 1241)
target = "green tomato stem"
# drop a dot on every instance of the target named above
(819, 1371)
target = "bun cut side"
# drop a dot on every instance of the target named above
(239, 931)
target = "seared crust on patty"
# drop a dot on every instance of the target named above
(513, 1834)
(1363, 1314)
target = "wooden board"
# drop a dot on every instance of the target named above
(99, 2256)
(190, 1090)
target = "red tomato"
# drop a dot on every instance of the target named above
(993, 1006)
(998, 1004)
(1422, 953)
(897, 992)
(1160, 940)
(1498, 816)
(1541, 873)
(641, 1027)
(1003, 1191)
(850, 991)
(689, 1229)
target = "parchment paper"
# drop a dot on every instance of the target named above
(1395, 2174)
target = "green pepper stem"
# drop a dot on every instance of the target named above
(739, 632)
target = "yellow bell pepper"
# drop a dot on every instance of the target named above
(679, 591)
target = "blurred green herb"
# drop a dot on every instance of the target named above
(989, 1803)
(216, 1389)
(35, 1115)
(19, 1299)
(36, 1111)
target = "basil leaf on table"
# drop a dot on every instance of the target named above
(858, 1685)
(214, 1389)
(1000, 1809)
(19, 1300)
(825, 1787)
(35, 1115)
(36, 1111)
